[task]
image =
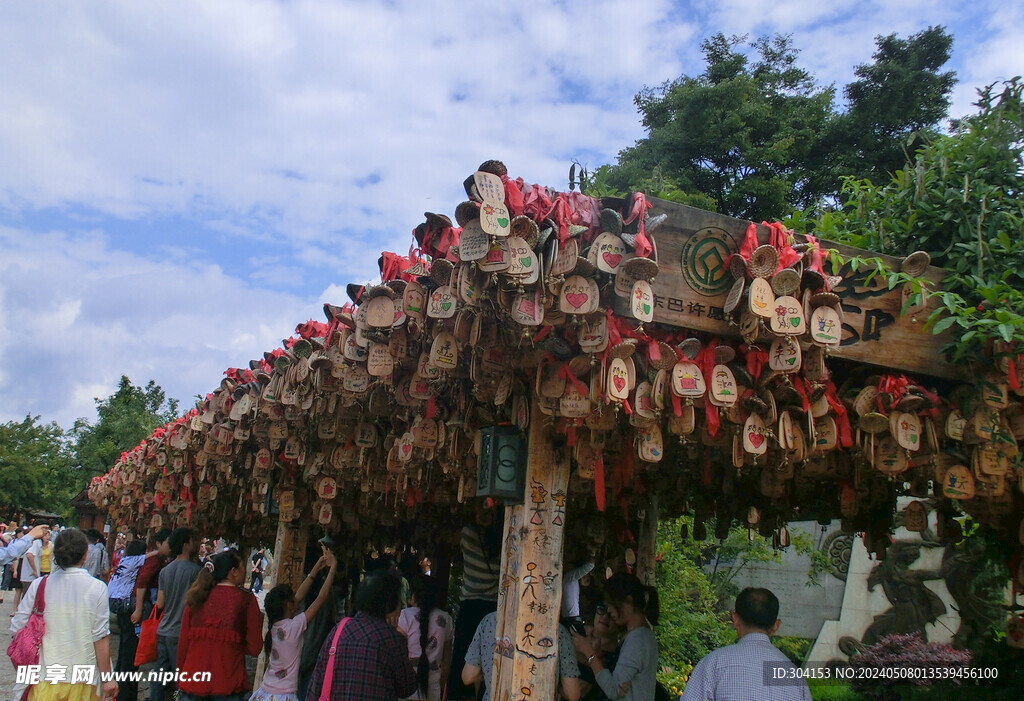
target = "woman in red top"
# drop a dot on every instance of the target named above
(221, 624)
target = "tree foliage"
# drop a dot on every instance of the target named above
(896, 103)
(959, 199)
(35, 466)
(124, 418)
(696, 587)
(755, 137)
(738, 133)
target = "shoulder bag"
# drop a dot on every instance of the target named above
(325, 689)
(24, 648)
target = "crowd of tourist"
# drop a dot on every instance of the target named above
(399, 641)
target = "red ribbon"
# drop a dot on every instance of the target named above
(566, 374)
(749, 242)
(756, 360)
(842, 418)
(782, 239)
(311, 329)
(1011, 374)
(812, 260)
(894, 385)
(599, 480)
(640, 206)
(705, 360)
(393, 265)
(536, 203)
(514, 195)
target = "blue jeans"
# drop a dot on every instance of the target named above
(166, 660)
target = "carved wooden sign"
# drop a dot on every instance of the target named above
(693, 283)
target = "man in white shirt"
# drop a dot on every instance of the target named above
(571, 589)
(96, 559)
(752, 669)
(19, 547)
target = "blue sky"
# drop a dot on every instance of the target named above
(184, 182)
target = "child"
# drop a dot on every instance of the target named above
(285, 626)
(429, 632)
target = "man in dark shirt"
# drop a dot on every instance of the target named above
(175, 580)
(148, 579)
(372, 658)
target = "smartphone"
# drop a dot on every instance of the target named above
(576, 627)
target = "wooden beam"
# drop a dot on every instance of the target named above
(692, 284)
(532, 575)
(289, 556)
(647, 547)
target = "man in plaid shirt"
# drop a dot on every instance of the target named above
(372, 658)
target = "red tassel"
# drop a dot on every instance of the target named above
(599, 481)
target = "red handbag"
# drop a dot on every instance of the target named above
(24, 647)
(145, 652)
(325, 690)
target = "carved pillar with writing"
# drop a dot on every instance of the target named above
(536, 590)
(289, 553)
(647, 548)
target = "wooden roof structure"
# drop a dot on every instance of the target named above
(659, 357)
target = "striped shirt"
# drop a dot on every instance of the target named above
(479, 573)
(739, 673)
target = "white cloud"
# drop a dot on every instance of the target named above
(78, 314)
(303, 137)
(295, 119)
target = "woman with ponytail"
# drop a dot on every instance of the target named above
(285, 627)
(634, 607)
(429, 632)
(221, 624)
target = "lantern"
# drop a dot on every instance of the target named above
(501, 469)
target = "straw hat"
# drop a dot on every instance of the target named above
(690, 348)
(915, 264)
(611, 221)
(785, 282)
(737, 266)
(763, 261)
(640, 268)
(732, 300)
(526, 228)
(467, 212)
(494, 167)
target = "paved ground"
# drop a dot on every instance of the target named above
(7, 669)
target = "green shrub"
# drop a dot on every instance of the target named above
(691, 624)
(795, 649)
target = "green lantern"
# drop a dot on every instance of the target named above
(502, 464)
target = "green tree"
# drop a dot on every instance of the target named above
(692, 621)
(896, 105)
(124, 418)
(695, 589)
(756, 136)
(35, 466)
(740, 133)
(959, 199)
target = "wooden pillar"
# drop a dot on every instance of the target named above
(508, 599)
(647, 549)
(289, 554)
(531, 586)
